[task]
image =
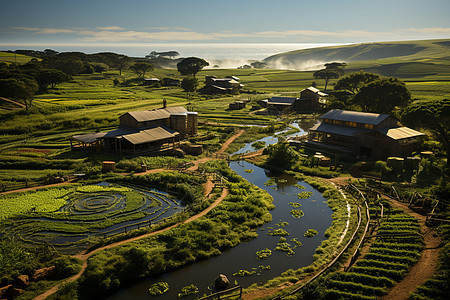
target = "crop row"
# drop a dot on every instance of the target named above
(387, 261)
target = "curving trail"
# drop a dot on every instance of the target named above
(85, 256)
(208, 187)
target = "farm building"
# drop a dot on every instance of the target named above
(362, 135)
(143, 132)
(214, 85)
(310, 99)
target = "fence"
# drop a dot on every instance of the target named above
(225, 294)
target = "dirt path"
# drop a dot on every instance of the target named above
(208, 187)
(229, 141)
(85, 256)
(425, 267)
(38, 187)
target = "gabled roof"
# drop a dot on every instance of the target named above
(337, 129)
(157, 114)
(150, 135)
(355, 116)
(90, 137)
(282, 100)
(400, 133)
(315, 91)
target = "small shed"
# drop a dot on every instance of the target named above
(109, 166)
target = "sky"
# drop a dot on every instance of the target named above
(100, 22)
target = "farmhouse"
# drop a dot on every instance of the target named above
(310, 99)
(214, 85)
(143, 132)
(362, 135)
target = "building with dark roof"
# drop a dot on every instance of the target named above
(362, 135)
(310, 99)
(227, 85)
(143, 132)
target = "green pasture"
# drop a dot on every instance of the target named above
(14, 58)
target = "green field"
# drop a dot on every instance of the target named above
(14, 58)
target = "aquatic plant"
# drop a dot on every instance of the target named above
(310, 233)
(158, 288)
(297, 213)
(188, 290)
(263, 254)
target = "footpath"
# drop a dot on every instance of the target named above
(208, 187)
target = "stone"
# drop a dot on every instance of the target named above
(22, 281)
(13, 292)
(3, 291)
(221, 282)
(43, 273)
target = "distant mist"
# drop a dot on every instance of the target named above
(307, 65)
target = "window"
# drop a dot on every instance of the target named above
(368, 126)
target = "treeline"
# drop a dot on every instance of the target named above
(21, 82)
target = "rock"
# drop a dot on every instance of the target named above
(3, 291)
(22, 281)
(12, 292)
(43, 273)
(221, 282)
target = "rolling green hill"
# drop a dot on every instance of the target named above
(400, 59)
(8, 57)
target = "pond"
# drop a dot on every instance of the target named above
(317, 215)
(301, 125)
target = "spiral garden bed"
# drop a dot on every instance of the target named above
(81, 214)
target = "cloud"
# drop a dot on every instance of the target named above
(119, 34)
(110, 28)
(433, 30)
(46, 30)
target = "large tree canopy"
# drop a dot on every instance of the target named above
(189, 84)
(51, 77)
(332, 71)
(433, 116)
(383, 95)
(355, 81)
(19, 90)
(141, 68)
(191, 65)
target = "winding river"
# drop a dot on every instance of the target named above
(317, 215)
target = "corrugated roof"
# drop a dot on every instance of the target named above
(90, 137)
(355, 116)
(400, 133)
(282, 100)
(337, 129)
(150, 135)
(157, 114)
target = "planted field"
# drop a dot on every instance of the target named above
(396, 248)
(68, 215)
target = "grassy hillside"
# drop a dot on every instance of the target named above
(401, 59)
(14, 58)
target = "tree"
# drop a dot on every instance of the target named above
(355, 81)
(189, 84)
(191, 65)
(326, 74)
(166, 54)
(258, 65)
(434, 116)
(281, 155)
(51, 77)
(141, 68)
(382, 95)
(68, 64)
(332, 70)
(19, 90)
